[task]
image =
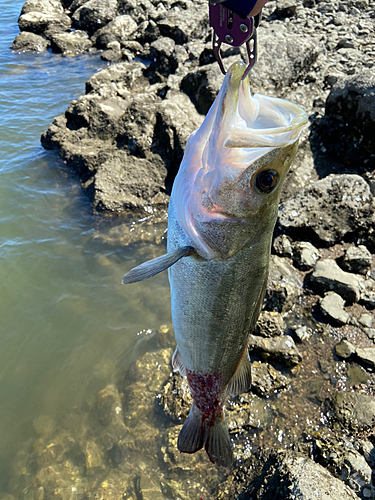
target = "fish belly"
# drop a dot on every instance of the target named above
(213, 304)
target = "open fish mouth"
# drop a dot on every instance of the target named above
(257, 120)
(240, 134)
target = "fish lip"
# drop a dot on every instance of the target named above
(245, 136)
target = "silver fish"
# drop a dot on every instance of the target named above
(222, 213)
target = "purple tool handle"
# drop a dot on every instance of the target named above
(229, 27)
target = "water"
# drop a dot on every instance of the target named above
(65, 318)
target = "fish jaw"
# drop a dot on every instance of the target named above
(241, 135)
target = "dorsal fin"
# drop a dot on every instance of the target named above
(155, 266)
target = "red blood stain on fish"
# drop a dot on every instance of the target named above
(205, 389)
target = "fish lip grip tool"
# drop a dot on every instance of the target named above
(233, 30)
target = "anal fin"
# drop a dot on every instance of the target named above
(193, 433)
(218, 445)
(177, 363)
(241, 379)
(155, 266)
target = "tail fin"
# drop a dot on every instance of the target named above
(198, 430)
(218, 446)
(193, 433)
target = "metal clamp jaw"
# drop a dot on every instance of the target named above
(231, 29)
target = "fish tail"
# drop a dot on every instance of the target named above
(218, 446)
(209, 431)
(193, 433)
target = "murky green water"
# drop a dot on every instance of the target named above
(65, 318)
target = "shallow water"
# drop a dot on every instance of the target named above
(65, 317)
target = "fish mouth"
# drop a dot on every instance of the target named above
(256, 121)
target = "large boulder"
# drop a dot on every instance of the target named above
(350, 109)
(71, 43)
(95, 14)
(46, 6)
(37, 22)
(30, 42)
(119, 30)
(330, 209)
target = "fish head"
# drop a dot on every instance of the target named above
(235, 163)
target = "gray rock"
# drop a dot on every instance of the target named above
(281, 349)
(111, 55)
(366, 357)
(203, 85)
(37, 22)
(120, 30)
(302, 332)
(327, 276)
(177, 118)
(46, 6)
(184, 25)
(163, 57)
(357, 259)
(283, 57)
(30, 42)
(305, 255)
(283, 246)
(354, 411)
(117, 79)
(176, 399)
(265, 379)
(71, 43)
(329, 209)
(332, 306)
(125, 183)
(366, 320)
(94, 14)
(284, 285)
(351, 107)
(356, 472)
(269, 324)
(345, 349)
(291, 476)
(370, 332)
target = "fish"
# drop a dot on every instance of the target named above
(221, 216)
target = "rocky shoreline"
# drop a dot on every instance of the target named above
(306, 429)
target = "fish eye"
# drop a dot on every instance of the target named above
(266, 180)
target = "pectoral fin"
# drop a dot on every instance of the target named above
(155, 266)
(177, 363)
(241, 380)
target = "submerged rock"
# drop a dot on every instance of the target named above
(355, 411)
(345, 349)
